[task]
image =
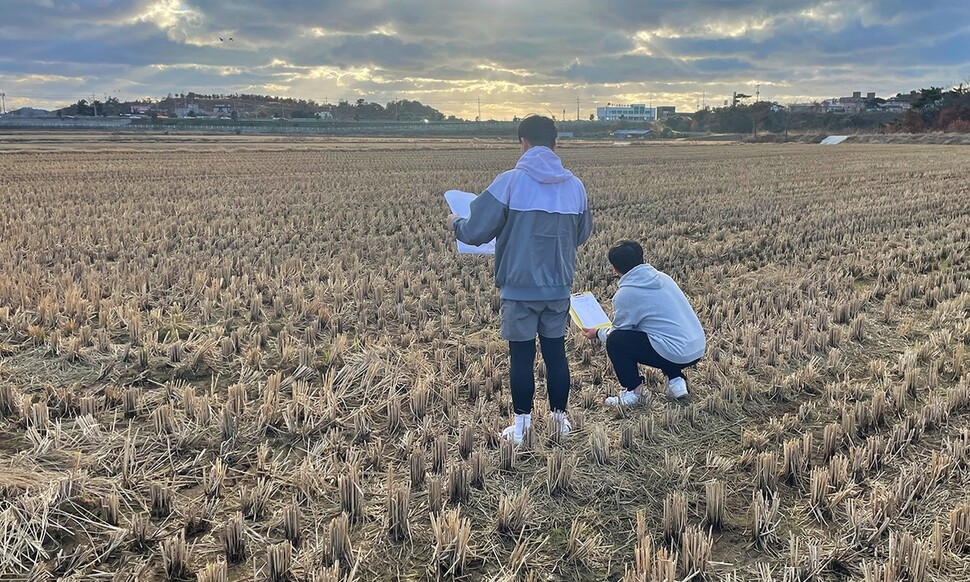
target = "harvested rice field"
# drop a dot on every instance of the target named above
(262, 359)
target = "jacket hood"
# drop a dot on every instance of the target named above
(543, 165)
(643, 276)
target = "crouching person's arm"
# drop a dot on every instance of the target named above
(622, 317)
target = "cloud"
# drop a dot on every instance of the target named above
(516, 55)
(633, 68)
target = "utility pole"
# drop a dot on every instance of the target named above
(577, 109)
(757, 93)
(93, 104)
(3, 103)
(479, 109)
(787, 120)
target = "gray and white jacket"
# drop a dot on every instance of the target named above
(649, 301)
(538, 215)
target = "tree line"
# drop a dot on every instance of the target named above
(937, 109)
(264, 106)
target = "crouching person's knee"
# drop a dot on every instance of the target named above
(613, 342)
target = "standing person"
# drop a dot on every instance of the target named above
(538, 214)
(653, 324)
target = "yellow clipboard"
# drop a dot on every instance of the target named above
(586, 311)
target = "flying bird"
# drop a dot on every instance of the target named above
(230, 39)
(220, 39)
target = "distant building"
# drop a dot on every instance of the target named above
(855, 104)
(805, 107)
(632, 133)
(141, 109)
(664, 111)
(222, 109)
(834, 106)
(325, 114)
(896, 105)
(190, 110)
(635, 112)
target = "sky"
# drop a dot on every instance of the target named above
(511, 57)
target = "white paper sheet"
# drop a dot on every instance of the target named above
(460, 203)
(587, 312)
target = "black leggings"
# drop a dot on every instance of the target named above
(627, 348)
(522, 356)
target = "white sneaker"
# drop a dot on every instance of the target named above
(676, 388)
(625, 398)
(562, 421)
(523, 422)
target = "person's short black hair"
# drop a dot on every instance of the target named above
(625, 255)
(538, 130)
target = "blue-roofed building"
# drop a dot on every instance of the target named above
(632, 133)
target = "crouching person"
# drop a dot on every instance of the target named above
(653, 325)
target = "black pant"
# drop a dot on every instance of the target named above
(522, 356)
(627, 348)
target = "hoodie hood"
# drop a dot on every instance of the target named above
(543, 165)
(643, 276)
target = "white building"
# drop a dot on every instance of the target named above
(896, 105)
(635, 112)
(192, 108)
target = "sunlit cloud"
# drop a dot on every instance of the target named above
(829, 13)
(499, 69)
(41, 79)
(213, 69)
(180, 22)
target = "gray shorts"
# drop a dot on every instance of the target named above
(522, 320)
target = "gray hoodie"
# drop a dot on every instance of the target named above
(538, 215)
(650, 301)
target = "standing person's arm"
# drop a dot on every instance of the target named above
(585, 224)
(485, 222)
